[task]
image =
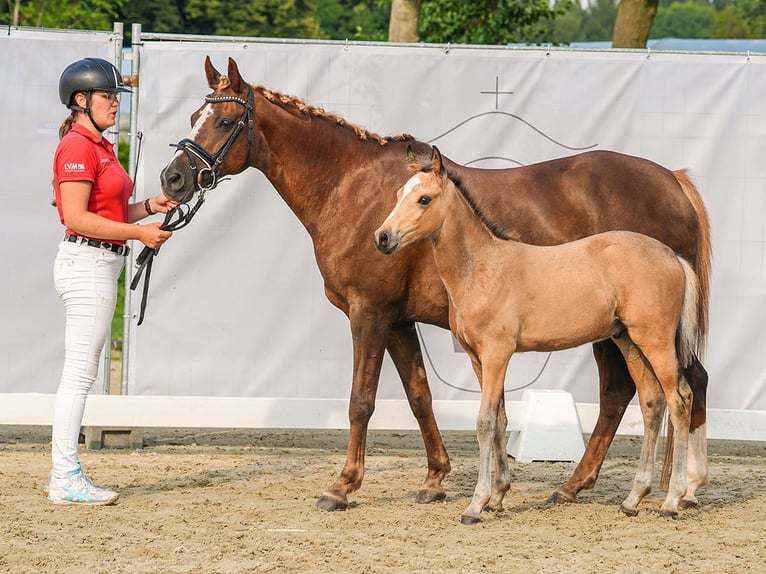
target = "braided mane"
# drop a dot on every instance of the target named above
(295, 103)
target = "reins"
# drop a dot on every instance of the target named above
(181, 215)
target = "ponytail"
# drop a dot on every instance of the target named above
(66, 125)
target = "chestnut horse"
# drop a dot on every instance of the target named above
(330, 172)
(507, 297)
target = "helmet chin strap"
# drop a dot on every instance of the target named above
(87, 110)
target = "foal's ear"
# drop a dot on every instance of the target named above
(212, 74)
(234, 78)
(437, 165)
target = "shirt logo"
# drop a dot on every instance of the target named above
(74, 167)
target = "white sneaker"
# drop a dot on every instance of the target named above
(79, 489)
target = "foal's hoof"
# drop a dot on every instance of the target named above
(428, 495)
(331, 502)
(559, 497)
(627, 511)
(466, 519)
(687, 504)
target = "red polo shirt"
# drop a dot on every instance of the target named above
(81, 156)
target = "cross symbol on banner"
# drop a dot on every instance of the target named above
(497, 91)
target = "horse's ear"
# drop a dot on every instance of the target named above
(213, 75)
(436, 161)
(234, 78)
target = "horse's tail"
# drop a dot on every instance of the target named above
(688, 332)
(702, 262)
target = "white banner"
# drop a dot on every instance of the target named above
(32, 334)
(236, 305)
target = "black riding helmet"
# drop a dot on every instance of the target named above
(86, 76)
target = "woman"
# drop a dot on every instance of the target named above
(92, 192)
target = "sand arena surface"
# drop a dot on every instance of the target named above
(234, 501)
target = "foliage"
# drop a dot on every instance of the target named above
(486, 21)
(594, 23)
(354, 19)
(683, 20)
(84, 15)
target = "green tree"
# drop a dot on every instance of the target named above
(354, 19)
(260, 18)
(683, 20)
(84, 15)
(153, 15)
(486, 21)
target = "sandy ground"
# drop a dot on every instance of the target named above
(197, 501)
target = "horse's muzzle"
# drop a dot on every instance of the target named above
(385, 242)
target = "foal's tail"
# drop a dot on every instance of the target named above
(702, 262)
(688, 332)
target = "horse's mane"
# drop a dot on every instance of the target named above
(499, 231)
(295, 103)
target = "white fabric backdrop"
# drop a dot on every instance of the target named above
(236, 305)
(228, 315)
(32, 337)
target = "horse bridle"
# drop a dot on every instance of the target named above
(182, 213)
(212, 163)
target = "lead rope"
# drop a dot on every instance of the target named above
(145, 259)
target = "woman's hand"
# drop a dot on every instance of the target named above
(152, 236)
(161, 203)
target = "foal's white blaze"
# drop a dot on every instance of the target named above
(411, 184)
(206, 112)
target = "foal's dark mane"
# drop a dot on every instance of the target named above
(313, 111)
(493, 227)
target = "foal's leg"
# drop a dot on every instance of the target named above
(404, 348)
(679, 398)
(501, 477)
(616, 389)
(369, 333)
(492, 379)
(652, 403)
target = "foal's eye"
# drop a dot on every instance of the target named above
(424, 200)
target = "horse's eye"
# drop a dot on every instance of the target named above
(424, 200)
(225, 123)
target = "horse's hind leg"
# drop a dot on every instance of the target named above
(404, 348)
(652, 403)
(696, 467)
(616, 389)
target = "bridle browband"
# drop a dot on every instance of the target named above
(182, 212)
(212, 163)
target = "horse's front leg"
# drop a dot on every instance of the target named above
(369, 332)
(501, 478)
(616, 389)
(404, 348)
(487, 431)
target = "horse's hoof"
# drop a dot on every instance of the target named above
(559, 497)
(687, 504)
(669, 513)
(494, 507)
(428, 495)
(467, 519)
(331, 502)
(629, 511)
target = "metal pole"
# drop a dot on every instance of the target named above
(106, 359)
(135, 65)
